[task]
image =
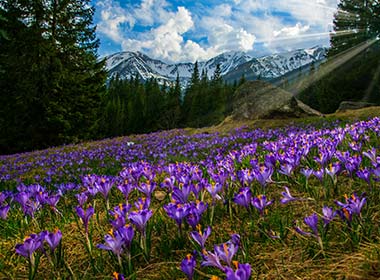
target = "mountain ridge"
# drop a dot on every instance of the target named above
(233, 65)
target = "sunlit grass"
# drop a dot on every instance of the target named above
(345, 254)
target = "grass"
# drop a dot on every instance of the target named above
(349, 251)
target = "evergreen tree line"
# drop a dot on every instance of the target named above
(136, 106)
(51, 81)
(53, 86)
(355, 22)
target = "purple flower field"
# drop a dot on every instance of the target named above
(295, 202)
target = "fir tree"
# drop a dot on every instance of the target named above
(51, 73)
(354, 22)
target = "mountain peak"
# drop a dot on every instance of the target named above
(233, 64)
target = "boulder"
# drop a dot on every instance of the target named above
(353, 105)
(260, 100)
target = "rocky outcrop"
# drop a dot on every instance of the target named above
(353, 105)
(261, 100)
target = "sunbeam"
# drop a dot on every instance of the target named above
(307, 36)
(332, 64)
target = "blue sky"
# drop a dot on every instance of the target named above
(185, 31)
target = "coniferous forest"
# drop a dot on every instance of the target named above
(55, 89)
(280, 198)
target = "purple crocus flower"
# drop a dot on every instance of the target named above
(244, 197)
(286, 169)
(82, 198)
(333, 169)
(226, 252)
(4, 211)
(345, 215)
(31, 207)
(188, 265)
(260, 203)
(245, 176)
(89, 182)
(22, 198)
(200, 206)
(376, 172)
(142, 203)
(85, 215)
(354, 204)
(263, 175)
(196, 209)
(201, 237)
(41, 197)
(31, 244)
(119, 214)
(126, 188)
(168, 182)
(3, 197)
(177, 212)
(364, 174)
(312, 222)
(114, 242)
(211, 259)
(127, 233)
(214, 189)
(287, 196)
(371, 154)
(147, 188)
(104, 185)
(306, 172)
(140, 218)
(235, 239)
(52, 201)
(328, 215)
(182, 194)
(319, 174)
(243, 272)
(53, 239)
(193, 218)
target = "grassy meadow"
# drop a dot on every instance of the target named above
(271, 199)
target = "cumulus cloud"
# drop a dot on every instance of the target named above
(222, 36)
(292, 31)
(113, 17)
(196, 32)
(165, 41)
(150, 12)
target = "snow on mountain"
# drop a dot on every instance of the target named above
(274, 66)
(233, 65)
(228, 61)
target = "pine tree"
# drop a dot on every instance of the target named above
(188, 112)
(51, 73)
(354, 22)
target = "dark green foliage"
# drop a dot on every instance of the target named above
(134, 106)
(358, 79)
(51, 80)
(354, 22)
(207, 102)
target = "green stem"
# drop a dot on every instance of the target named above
(212, 213)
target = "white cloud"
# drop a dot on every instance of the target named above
(223, 10)
(166, 41)
(150, 12)
(112, 18)
(224, 35)
(292, 31)
(199, 32)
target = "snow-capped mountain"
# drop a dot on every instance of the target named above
(233, 65)
(274, 66)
